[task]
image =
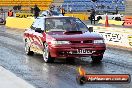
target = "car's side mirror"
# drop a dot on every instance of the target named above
(90, 29)
(38, 30)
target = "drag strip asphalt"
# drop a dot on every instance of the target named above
(59, 74)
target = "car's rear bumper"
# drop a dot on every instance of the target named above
(72, 51)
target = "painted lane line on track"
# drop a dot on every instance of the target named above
(10, 80)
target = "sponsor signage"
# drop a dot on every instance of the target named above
(116, 38)
(83, 77)
(24, 15)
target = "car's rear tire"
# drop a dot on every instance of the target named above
(97, 58)
(27, 49)
(46, 54)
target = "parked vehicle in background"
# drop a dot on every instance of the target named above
(63, 37)
(2, 21)
(117, 17)
(2, 16)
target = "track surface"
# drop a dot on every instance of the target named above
(59, 74)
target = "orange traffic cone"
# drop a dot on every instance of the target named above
(106, 22)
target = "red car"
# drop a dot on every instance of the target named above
(63, 37)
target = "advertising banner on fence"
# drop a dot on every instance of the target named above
(116, 38)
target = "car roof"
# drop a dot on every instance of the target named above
(55, 17)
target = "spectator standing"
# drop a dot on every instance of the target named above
(116, 10)
(63, 11)
(92, 16)
(52, 7)
(1, 9)
(70, 9)
(36, 11)
(58, 8)
(19, 8)
(10, 13)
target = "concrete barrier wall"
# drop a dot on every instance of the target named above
(20, 23)
(117, 38)
(114, 29)
(81, 16)
(114, 22)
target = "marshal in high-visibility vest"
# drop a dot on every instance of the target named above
(10, 13)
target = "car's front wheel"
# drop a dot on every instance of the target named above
(46, 54)
(27, 49)
(97, 58)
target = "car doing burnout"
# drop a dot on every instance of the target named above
(63, 37)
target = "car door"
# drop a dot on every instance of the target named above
(37, 36)
(29, 35)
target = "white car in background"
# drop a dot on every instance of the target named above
(117, 17)
(2, 21)
(49, 13)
